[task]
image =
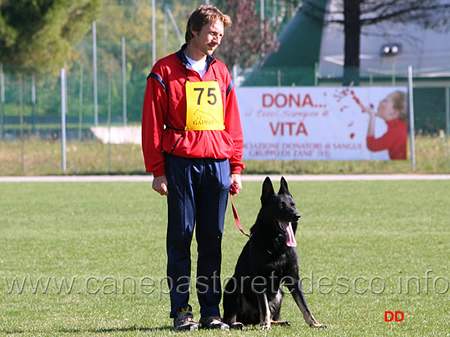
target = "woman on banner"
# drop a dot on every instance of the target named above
(393, 110)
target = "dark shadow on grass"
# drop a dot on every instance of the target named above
(112, 330)
(99, 331)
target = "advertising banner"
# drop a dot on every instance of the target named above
(321, 123)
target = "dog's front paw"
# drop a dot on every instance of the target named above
(318, 325)
(237, 326)
(264, 325)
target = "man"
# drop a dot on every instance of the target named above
(192, 142)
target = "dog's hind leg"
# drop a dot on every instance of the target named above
(281, 323)
(232, 304)
(275, 308)
(264, 310)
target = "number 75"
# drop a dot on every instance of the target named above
(210, 95)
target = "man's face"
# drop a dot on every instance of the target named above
(208, 38)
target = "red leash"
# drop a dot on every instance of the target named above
(233, 191)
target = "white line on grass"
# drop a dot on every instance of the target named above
(149, 178)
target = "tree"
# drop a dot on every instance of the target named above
(131, 19)
(354, 15)
(38, 34)
(248, 40)
(239, 44)
(352, 31)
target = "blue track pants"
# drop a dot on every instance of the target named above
(198, 196)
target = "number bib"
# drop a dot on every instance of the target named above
(204, 107)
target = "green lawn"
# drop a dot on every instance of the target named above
(80, 259)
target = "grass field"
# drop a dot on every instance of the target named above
(82, 259)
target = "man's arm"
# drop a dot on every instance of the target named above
(153, 116)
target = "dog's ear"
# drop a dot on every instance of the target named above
(283, 187)
(267, 190)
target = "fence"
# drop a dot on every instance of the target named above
(31, 122)
(34, 101)
(30, 110)
(31, 103)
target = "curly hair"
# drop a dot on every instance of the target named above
(203, 15)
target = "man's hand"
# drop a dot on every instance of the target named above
(236, 182)
(160, 185)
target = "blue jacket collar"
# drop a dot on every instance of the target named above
(182, 56)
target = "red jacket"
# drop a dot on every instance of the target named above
(394, 140)
(164, 116)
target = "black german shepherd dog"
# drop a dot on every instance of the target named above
(269, 259)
